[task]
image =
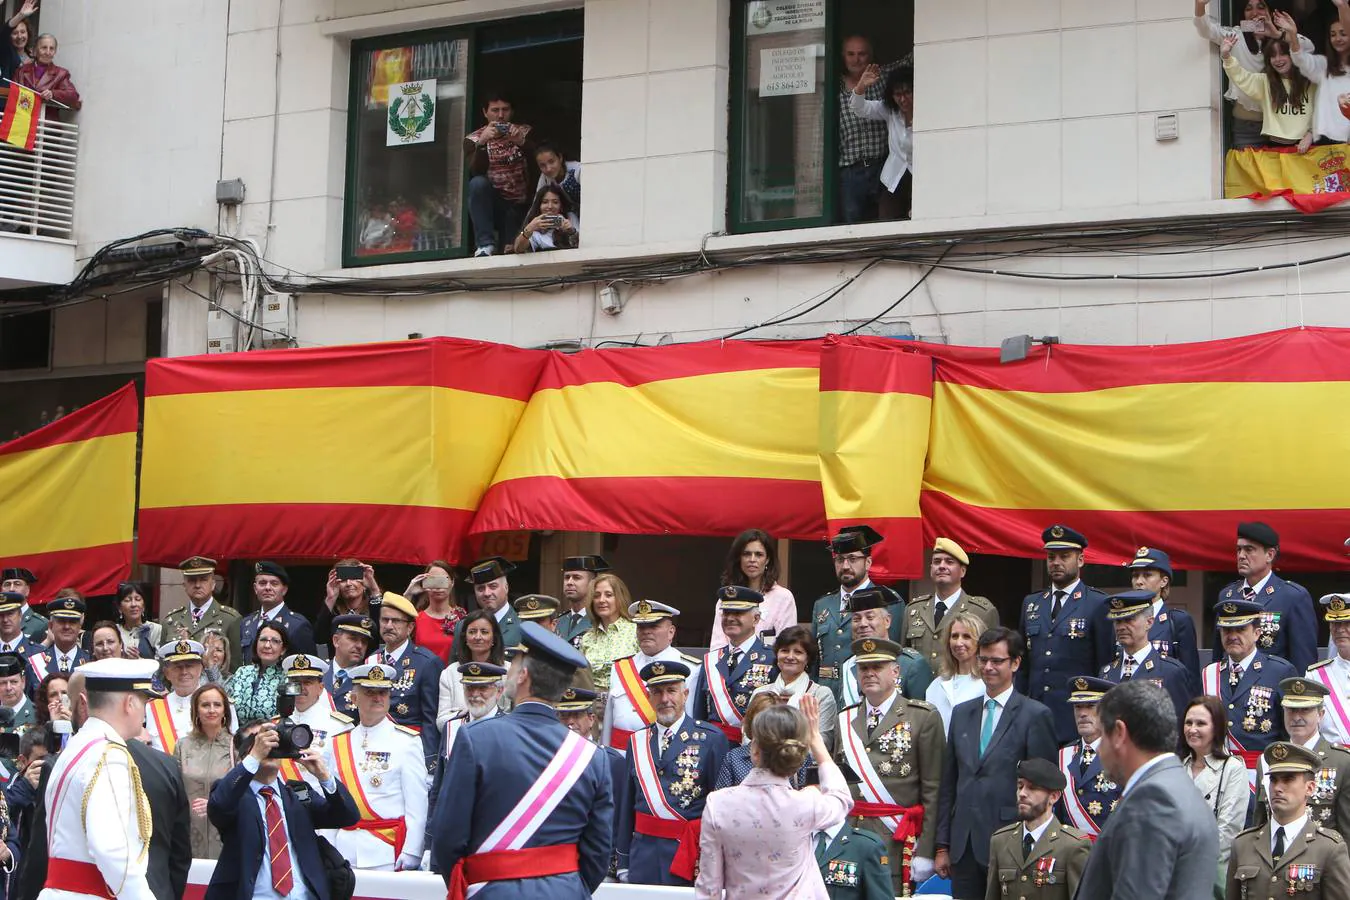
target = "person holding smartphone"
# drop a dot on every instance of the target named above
(498, 154)
(550, 225)
(351, 584)
(432, 593)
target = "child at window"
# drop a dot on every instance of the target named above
(555, 169)
(1331, 74)
(1285, 95)
(550, 224)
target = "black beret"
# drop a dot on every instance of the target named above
(1259, 532)
(1042, 773)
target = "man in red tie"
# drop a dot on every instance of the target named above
(269, 848)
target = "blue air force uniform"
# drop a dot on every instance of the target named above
(756, 666)
(686, 771)
(495, 762)
(1094, 794)
(1249, 690)
(1147, 662)
(339, 683)
(1288, 616)
(1173, 630)
(298, 629)
(413, 700)
(1079, 641)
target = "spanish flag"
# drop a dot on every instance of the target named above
(23, 111)
(708, 439)
(876, 399)
(378, 450)
(68, 491)
(1160, 446)
(1310, 181)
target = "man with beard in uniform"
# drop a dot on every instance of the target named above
(832, 614)
(1038, 847)
(578, 575)
(1066, 630)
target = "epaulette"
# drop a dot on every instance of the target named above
(979, 601)
(864, 835)
(1252, 830)
(407, 730)
(691, 660)
(918, 704)
(1320, 663)
(1012, 827)
(914, 605)
(911, 653)
(629, 656)
(1328, 833)
(345, 720)
(1074, 833)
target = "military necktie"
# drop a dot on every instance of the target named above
(1028, 843)
(1279, 846)
(873, 719)
(822, 844)
(1127, 668)
(1085, 756)
(664, 743)
(197, 613)
(63, 663)
(1058, 606)
(1248, 592)
(939, 610)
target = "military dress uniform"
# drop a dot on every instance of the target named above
(1173, 630)
(1329, 806)
(417, 679)
(1315, 864)
(572, 625)
(1251, 696)
(1090, 796)
(670, 772)
(854, 865)
(32, 624)
(1334, 674)
(486, 572)
(1052, 870)
(323, 721)
(1168, 674)
(383, 768)
(832, 614)
(216, 616)
(298, 629)
(922, 625)
(338, 682)
(169, 718)
(1288, 617)
(915, 673)
(24, 715)
(626, 707)
(899, 745)
(724, 690)
(1077, 641)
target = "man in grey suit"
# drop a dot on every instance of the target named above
(1161, 842)
(989, 736)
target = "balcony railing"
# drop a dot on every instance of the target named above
(37, 187)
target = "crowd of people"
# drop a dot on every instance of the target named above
(858, 753)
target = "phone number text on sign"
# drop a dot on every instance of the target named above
(787, 70)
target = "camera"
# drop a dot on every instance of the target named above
(293, 738)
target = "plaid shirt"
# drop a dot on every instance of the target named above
(864, 139)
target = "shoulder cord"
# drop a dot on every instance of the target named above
(143, 822)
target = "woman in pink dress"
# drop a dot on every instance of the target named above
(757, 838)
(50, 80)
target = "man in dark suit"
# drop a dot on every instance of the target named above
(270, 584)
(170, 850)
(266, 830)
(989, 736)
(1161, 842)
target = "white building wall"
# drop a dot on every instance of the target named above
(1029, 113)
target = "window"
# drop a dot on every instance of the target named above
(414, 98)
(787, 115)
(26, 341)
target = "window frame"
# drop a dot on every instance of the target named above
(736, 223)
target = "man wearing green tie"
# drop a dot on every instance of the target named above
(578, 575)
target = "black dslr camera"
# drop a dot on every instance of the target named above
(294, 737)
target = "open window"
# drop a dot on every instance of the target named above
(414, 97)
(788, 116)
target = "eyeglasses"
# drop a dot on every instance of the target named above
(992, 660)
(850, 558)
(269, 640)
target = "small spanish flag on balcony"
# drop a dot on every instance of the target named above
(23, 111)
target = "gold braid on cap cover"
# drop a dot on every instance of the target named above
(145, 826)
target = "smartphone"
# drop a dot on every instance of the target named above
(503, 127)
(351, 573)
(1251, 25)
(436, 583)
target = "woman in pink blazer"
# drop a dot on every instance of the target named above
(757, 837)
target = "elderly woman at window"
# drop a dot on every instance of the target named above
(43, 75)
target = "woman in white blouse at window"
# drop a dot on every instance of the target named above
(1220, 776)
(896, 109)
(958, 679)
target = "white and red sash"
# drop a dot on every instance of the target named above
(1077, 812)
(1209, 682)
(719, 691)
(1334, 698)
(640, 750)
(871, 787)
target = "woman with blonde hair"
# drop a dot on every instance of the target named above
(613, 636)
(958, 674)
(756, 837)
(205, 754)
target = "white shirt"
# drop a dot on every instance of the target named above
(501, 613)
(392, 655)
(1157, 607)
(57, 656)
(196, 612)
(948, 602)
(18, 707)
(673, 730)
(1138, 656)
(1002, 701)
(11, 646)
(1291, 831)
(1037, 831)
(1067, 590)
(1246, 663)
(1258, 587)
(946, 693)
(885, 706)
(1138, 773)
(269, 615)
(262, 887)
(899, 137)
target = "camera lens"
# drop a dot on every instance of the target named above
(301, 736)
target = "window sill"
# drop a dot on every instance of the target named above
(484, 272)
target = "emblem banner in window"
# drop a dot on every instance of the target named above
(412, 113)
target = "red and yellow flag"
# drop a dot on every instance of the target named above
(23, 111)
(68, 491)
(378, 450)
(1310, 181)
(708, 438)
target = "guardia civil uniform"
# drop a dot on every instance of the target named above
(324, 722)
(832, 615)
(626, 708)
(915, 674)
(1288, 619)
(896, 748)
(854, 864)
(184, 622)
(99, 822)
(1090, 796)
(671, 769)
(1334, 674)
(1249, 690)
(1075, 641)
(486, 572)
(1314, 863)
(1045, 868)
(338, 682)
(32, 624)
(1329, 806)
(25, 714)
(732, 674)
(922, 622)
(417, 679)
(572, 625)
(383, 768)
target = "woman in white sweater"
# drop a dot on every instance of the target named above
(1331, 74)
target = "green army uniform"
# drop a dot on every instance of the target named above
(921, 634)
(178, 625)
(904, 752)
(34, 625)
(855, 866)
(1330, 803)
(1052, 870)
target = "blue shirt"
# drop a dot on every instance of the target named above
(262, 887)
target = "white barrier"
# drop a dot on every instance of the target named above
(426, 886)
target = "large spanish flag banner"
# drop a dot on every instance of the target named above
(708, 438)
(69, 495)
(875, 403)
(1310, 181)
(1160, 446)
(377, 450)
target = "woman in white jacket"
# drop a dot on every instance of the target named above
(1331, 74)
(896, 109)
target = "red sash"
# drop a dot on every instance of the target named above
(686, 831)
(508, 865)
(76, 877)
(381, 828)
(619, 738)
(906, 833)
(733, 733)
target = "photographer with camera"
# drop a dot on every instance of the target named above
(381, 763)
(276, 851)
(550, 224)
(303, 701)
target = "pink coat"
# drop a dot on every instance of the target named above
(757, 837)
